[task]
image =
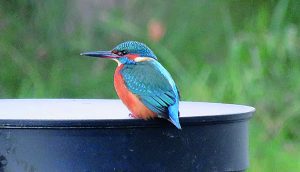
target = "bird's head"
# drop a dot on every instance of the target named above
(129, 52)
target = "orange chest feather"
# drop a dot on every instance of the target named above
(137, 108)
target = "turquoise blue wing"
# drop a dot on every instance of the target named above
(154, 86)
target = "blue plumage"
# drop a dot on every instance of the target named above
(149, 89)
(134, 47)
(154, 86)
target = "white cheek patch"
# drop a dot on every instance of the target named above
(142, 59)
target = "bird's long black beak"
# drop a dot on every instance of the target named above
(100, 54)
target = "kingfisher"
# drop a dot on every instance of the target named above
(142, 83)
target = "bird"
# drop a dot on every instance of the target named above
(142, 83)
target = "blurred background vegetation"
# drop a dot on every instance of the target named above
(243, 52)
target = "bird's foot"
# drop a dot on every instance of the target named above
(131, 115)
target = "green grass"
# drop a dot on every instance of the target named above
(243, 52)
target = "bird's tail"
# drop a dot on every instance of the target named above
(175, 122)
(174, 116)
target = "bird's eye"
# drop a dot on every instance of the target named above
(120, 53)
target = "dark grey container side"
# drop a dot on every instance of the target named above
(212, 146)
(91, 135)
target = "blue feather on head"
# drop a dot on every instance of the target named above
(134, 47)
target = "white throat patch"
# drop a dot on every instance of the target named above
(119, 63)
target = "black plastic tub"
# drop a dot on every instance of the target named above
(54, 135)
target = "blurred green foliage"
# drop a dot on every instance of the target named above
(243, 52)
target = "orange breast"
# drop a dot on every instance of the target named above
(137, 108)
